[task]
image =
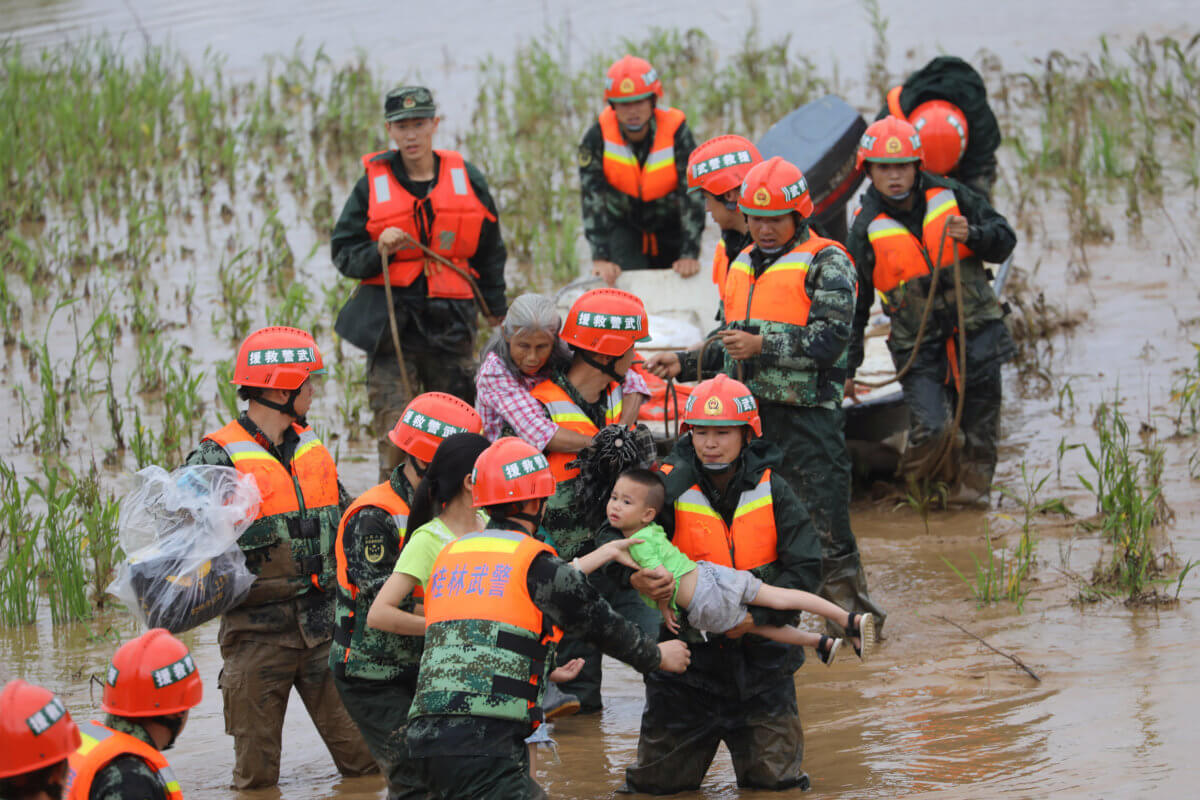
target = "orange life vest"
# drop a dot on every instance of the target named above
(779, 293)
(381, 496)
(458, 216)
(901, 257)
(483, 578)
(100, 746)
(720, 267)
(653, 180)
(701, 533)
(564, 413)
(315, 475)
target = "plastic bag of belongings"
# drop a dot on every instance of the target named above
(179, 531)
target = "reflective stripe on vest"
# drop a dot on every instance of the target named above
(655, 179)
(566, 414)
(720, 268)
(901, 257)
(486, 642)
(100, 745)
(458, 217)
(310, 484)
(701, 533)
(381, 496)
(779, 293)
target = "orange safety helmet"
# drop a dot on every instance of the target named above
(151, 676)
(35, 729)
(509, 471)
(890, 140)
(630, 79)
(429, 419)
(720, 165)
(774, 188)
(722, 401)
(277, 358)
(606, 321)
(942, 127)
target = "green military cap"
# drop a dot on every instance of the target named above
(409, 102)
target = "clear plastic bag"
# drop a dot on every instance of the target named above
(179, 531)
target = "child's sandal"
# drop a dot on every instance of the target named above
(861, 627)
(827, 649)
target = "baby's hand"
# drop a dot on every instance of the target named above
(670, 620)
(568, 671)
(619, 551)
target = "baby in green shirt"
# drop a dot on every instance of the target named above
(715, 596)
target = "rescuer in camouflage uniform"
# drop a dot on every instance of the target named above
(738, 689)
(487, 657)
(600, 328)
(376, 671)
(150, 687)
(279, 636)
(633, 224)
(789, 304)
(437, 328)
(902, 217)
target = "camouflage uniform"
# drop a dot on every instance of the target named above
(378, 676)
(268, 646)
(485, 757)
(952, 79)
(927, 392)
(799, 381)
(739, 691)
(614, 222)
(436, 334)
(565, 527)
(128, 776)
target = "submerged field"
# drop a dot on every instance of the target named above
(157, 209)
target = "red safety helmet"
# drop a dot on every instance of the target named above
(429, 419)
(35, 729)
(722, 401)
(890, 140)
(773, 188)
(629, 79)
(606, 321)
(277, 358)
(942, 127)
(720, 165)
(151, 676)
(509, 471)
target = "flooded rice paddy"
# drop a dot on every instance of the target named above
(936, 714)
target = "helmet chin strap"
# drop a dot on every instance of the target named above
(288, 408)
(606, 368)
(534, 519)
(173, 724)
(416, 465)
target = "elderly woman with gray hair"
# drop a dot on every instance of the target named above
(525, 352)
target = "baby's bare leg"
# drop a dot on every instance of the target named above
(796, 600)
(787, 634)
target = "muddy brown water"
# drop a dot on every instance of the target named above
(935, 714)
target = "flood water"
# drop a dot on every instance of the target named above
(935, 714)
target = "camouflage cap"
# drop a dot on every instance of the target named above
(408, 102)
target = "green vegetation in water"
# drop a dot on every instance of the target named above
(1095, 129)
(1126, 481)
(1001, 574)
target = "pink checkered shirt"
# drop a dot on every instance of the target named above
(503, 397)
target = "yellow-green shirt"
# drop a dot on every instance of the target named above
(423, 547)
(657, 550)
